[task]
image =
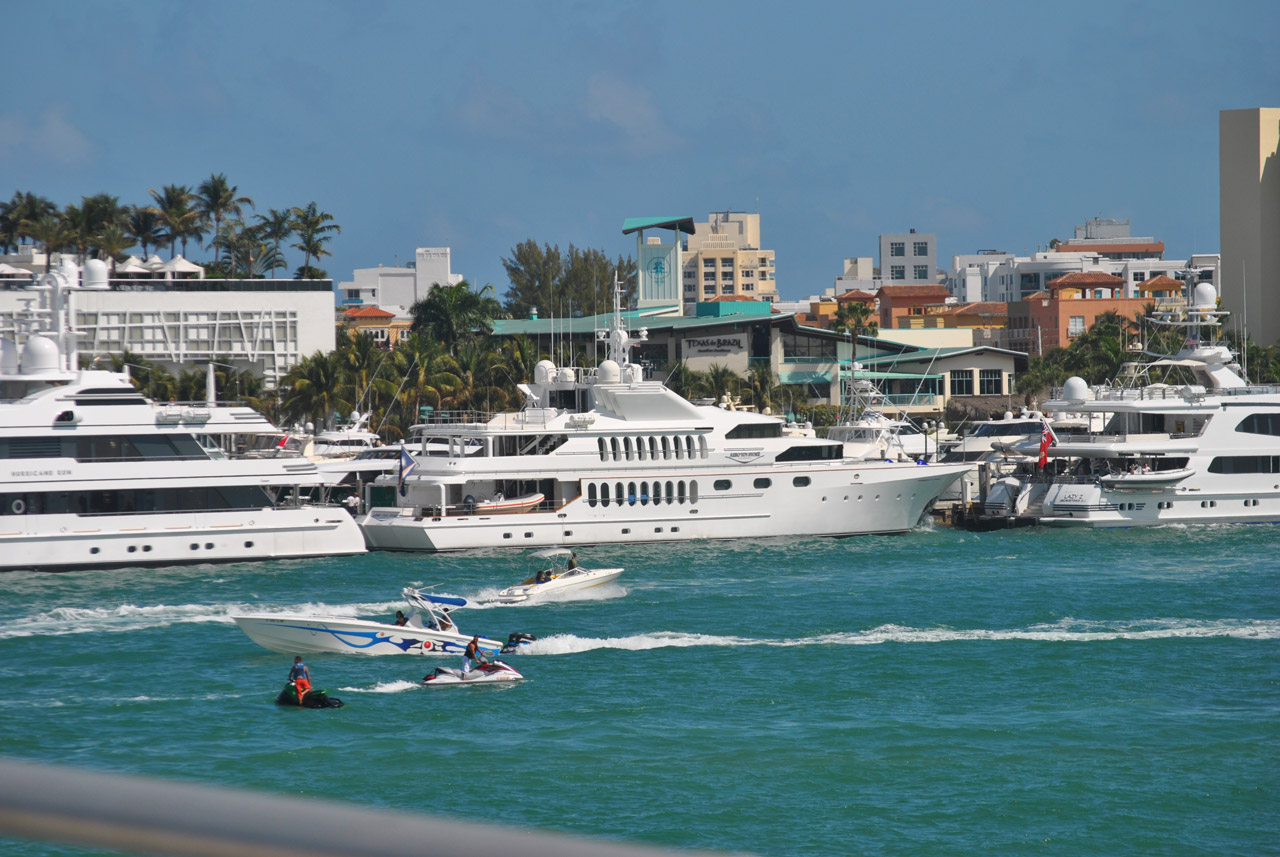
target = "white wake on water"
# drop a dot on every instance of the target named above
(1063, 631)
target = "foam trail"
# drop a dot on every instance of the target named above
(398, 686)
(487, 599)
(1064, 631)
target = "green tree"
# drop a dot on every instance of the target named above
(455, 314)
(310, 389)
(856, 319)
(51, 233)
(313, 228)
(216, 200)
(144, 226)
(178, 218)
(560, 284)
(763, 385)
(111, 241)
(22, 207)
(276, 226)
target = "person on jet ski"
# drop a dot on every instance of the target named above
(473, 656)
(301, 677)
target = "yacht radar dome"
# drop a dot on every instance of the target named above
(1206, 297)
(610, 372)
(543, 372)
(1075, 390)
(40, 356)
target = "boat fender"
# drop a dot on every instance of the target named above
(19, 506)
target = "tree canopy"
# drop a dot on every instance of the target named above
(563, 284)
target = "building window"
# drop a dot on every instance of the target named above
(962, 382)
(922, 272)
(989, 382)
(1075, 325)
(898, 272)
(708, 263)
(921, 248)
(1139, 276)
(897, 248)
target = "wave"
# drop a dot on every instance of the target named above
(398, 686)
(1063, 631)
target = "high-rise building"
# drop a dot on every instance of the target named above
(1249, 216)
(723, 257)
(909, 259)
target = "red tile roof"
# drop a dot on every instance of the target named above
(1085, 278)
(1086, 247)
(855, 295)
(929, 291)
(980, 308)
(368, 312)
(1161, 282)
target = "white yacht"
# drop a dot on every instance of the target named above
(347, 440)
(1205, 449)
(606, 456)
(98, 476)
(994, 446)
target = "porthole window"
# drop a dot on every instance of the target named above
(133, 548)
(671, 492)
(591, 495)
(195, 547)
(653, 448)
(506, 535)
(644, 493)
(681, 489)
(762, 483)
(95, 550)
(688, 443)
(722, 484)
(679, 448)
(693, 491)
(626, 443)
(675, 529)
(702, 446)
(666, 448)
(208, 546)
(640, 449)
(801, 481)
(604, 448)
(631, 493)
(657, 529)
(246, 544)
(657, 493)
(626, 531)
(568, 533)
(528, 535)
(604, 494)
(613, 444)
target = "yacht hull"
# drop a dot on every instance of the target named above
(70, 542)
(841, 501)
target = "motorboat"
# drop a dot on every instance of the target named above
(429, 629)
(557, 575)
(310, 699)
(1187, 440)
(99, 476)
(622, 459)
(348, 439)
(485, 673)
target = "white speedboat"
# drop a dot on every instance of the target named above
(489, 673)
(428, 630)
(348, 439)
(1200, 448)
(554, 576)
(99, 476)
(621, 459)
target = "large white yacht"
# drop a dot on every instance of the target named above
(1204, 449)
(98, 476)
(606, 456)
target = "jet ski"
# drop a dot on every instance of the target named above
(311, 699)
(488, 673)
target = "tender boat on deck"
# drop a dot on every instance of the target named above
(555, 577)
(430, 630)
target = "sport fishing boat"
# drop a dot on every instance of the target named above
(621, 459)
(487, 673)
(556, 575)
(99, 476)
(1201, 448)
(429, 629)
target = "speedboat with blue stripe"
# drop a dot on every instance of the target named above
(428, 629)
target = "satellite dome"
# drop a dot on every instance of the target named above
(543, 371)
(95, 274)
(565, 376)
(1075, 390)
(1206, 296)
(40, 356)
(609, 372)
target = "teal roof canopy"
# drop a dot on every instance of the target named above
(635, 224)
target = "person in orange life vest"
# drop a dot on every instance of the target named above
(301, 677)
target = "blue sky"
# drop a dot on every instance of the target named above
(480, 125)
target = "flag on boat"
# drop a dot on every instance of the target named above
(407, 465)
(1046, 441)
(283, 440)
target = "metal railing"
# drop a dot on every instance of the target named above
(141, 815)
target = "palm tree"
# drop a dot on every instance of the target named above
(143, 225)
(720, 381)
(314, 229)
(22, 207)
(77, 226)
(276, 226)
(111, 241)
(452, 314)
(51, 233)
(763, 385)
(310, 389)
(180, 220)
(855, 319)
(216, 199)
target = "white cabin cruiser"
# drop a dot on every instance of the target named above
(621, 459)
(99, 476)
(557, 574)
(1203, 450)
(429, 629)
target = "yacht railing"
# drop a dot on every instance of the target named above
(141, 815)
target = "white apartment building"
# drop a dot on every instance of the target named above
(724, 257)
(397, 289)
(1249, 214)
(1002, 277)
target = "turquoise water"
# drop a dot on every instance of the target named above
(1023, 692)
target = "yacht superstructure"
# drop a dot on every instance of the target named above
(616, 458)
(1203, 450)
(95, 475)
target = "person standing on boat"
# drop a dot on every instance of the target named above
(301, 677)
(353, 504)
(573, 560)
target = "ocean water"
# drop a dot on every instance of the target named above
(1023, 692)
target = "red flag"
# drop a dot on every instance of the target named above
(1046, 440)
(282, 442)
